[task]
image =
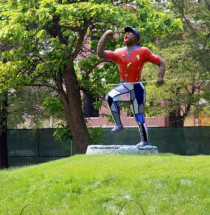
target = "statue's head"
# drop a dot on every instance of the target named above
(132, 36)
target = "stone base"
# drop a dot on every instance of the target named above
(121, 149)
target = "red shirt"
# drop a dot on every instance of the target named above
(130, 66)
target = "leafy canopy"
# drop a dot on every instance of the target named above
(38, 37)
(186, 54)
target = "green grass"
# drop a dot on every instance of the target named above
(100, 184)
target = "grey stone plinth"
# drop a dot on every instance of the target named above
(121, 149)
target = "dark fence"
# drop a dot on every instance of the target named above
(38, 146)
(183, 141)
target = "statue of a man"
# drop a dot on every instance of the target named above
(130, 60)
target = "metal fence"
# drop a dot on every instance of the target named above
(38, 146)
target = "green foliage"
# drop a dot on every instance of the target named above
(27, 103)
(41, 53)
(63, 132)
(53, 105)
(186, 56)
(97, 105)
(96, 134)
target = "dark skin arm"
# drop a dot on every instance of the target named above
(102, 43)
(161, 72)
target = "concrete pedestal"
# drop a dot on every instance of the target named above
(121, 149)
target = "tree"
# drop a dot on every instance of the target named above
(186, 54)
(3, 121)
(47, 36)
(3, 130)
(29, 103)
(14, 107)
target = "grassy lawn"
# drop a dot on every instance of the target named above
(101, 184)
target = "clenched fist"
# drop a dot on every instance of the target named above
(109, 33)
(160, 81)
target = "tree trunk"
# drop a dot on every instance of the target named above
(176, 119)
(73, 110)
(3, 133)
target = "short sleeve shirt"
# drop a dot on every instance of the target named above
(130, 65)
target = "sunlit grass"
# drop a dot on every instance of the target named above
(100, 184)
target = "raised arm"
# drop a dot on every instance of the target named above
(102, 43)
(161, 72)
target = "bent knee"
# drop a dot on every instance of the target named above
(109, 99)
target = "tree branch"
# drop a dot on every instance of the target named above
(82, 34)
(42, 85)
(75, 29)
(92, 68)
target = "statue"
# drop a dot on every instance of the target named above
(130, 60)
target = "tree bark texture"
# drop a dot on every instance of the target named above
(3, 133)
(73, 109)
(72, 98)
